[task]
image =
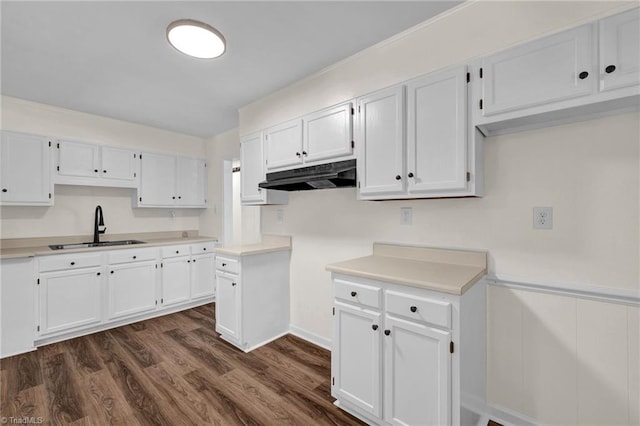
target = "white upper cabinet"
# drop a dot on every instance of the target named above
(440, 157)
(381, 141)
(81, 163)
(551, 69)
(284, 145)
(437, 132)
(620, 50)
(328, 133)
(26, 170)
(316, 138)
(157, 180)
(170, 181)
(192, 181)
(252, 172)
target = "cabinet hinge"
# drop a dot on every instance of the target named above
(38, 281)
(480, 103)
(58, 168)
(468, 177)
(156, 302)
(468, 77)
(58, 145)
(135, 155)
(49, 195)
(334, 311)
(49, 143)
(140, 199)
(451, 347)
(353, 144)
(205, 164)
(161, 265)
(358, 108)
(480, 72)
(135, 174)
(333, 380)
(141, 156)
(162, 301)
(156, 266)
(353, 111)
(38, 328)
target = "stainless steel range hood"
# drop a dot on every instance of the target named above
(332, 175)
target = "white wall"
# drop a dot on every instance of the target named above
(74, 206)
(588, 172)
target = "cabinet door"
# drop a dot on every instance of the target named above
(131, 289)
(540, 72)
(380, 143)
(118, 163)
(283, 145)
(203, 278)
(417, 370)
(620, 50)
(251, 168)
(175, 280)
(355, 357)
(157, 180)
(437, 132)
(17, 302)
(228, 305)
(78, 159)
(328, 133)
(192, 181)
(70, 299)
(26, 170)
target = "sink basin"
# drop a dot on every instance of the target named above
(100, 244)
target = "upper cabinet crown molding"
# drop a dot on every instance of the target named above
(82, 163)
(25, 163)
(581, 73)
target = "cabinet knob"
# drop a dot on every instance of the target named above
(205, 249)
(4, 189)
(233, 284)
(353, 294)
(610, 68)
(387, 332)
(410, 174)
(73, 263)
(179, 198)
(111, 272)
(398, 177)
(194, 261)
(297, 154)
(104, 171)
(224, 264)
(135, 257)
(304, 153)
(374, 326)
(177, 251)
(95, 170)
(173, 198)
(188, 261)
(413, 309)
(583, 75)
(98, 274)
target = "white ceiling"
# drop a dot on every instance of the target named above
(111, 58)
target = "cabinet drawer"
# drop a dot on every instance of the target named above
(437, 312)
(227, 265)
(175, 251)
(69, 261)
(134, 255)
(358, 293)
(201, 248)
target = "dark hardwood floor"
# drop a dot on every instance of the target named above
(172, 370)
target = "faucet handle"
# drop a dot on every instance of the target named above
(102, 229)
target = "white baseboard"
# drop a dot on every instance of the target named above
(310, 337)
(508, 417)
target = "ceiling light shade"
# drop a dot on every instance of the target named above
(195, 38)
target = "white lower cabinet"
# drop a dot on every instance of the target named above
(252, 298)
(399, 356)
(70, 299)
(131, 288)
(175, 280)
(203, 279)
(17, 306)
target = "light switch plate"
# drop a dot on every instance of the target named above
(543, 217)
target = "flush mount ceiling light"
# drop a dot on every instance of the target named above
(195, 38)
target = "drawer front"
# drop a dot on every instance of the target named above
(175, 251)
(225, 264)
(202, 248)
(69, 261)
(361, 294)
(433, 311)
(133, 255)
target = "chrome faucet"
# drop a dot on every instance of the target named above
(98, 225)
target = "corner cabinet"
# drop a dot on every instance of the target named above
(252, 172)
(26, 178)
(171, 181)
(407, 356)
(414, 140)
(252, 298)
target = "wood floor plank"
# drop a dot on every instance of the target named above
(64, 399)
(179, 357)
(227, 352)
(295, 371)
(106, 402)
(23, 372)
(199, 319)
(138, 350)
(200, 351)
(314, 360)
(85, 359)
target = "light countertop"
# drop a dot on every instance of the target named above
(28, 247)
(270, 243)
(444, 270)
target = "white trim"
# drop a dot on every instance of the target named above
(310, 337)
(583, 291)
(508, 417)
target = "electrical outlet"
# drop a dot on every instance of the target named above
(543, 217)
(172, 214)
(280, 216)
(406, 215)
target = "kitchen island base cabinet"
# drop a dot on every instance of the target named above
(252, 298)
(408, 356)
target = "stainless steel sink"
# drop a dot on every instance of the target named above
(100, 244)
